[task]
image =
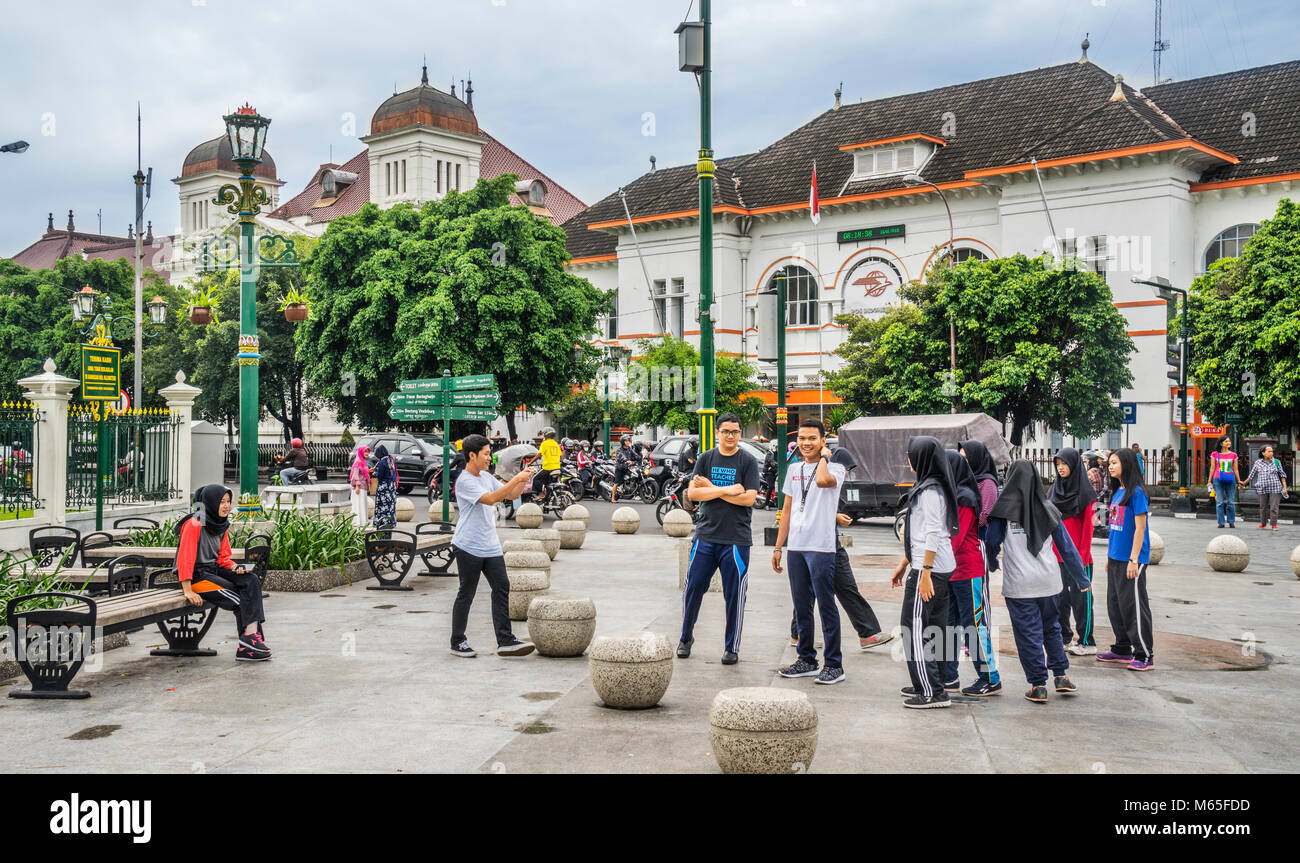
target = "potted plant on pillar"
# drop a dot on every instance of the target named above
(202, 302)
(296, 305)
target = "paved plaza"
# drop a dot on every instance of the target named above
(362, 681)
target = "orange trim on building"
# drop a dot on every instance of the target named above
(1139, 150)
(797, 397)
(763, 278)
(956, 240)
(1137, 303)
(1147, 332)
(1246, 181)
(715, 330)
(915, 136)
(592, 259)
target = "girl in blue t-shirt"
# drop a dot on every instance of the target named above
(1126, 567)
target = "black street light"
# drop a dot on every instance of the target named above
(15, 147)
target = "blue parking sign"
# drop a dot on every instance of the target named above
(1130, 412)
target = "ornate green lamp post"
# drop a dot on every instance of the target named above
(247, 132)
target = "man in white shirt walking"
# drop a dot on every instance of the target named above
(812, 492)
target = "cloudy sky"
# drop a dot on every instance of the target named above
(566, 84)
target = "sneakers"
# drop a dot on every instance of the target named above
(1220, 527)
(463, 649)
(799, 669)
(684, 648)
(921, 702)
(953, 685)
(1065, 686)
(830, 675)
(1107, 656)
(729, 658)
(875, 641)
(1082, 649)
(1274, 527)
(1232, 524)
(247, 654)
(253, 644)
(515, 647)
(1037, 694)
(907, 691)
(1261, 527)
(982, 689)
(1141, 665)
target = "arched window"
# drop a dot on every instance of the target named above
(1229, 243)
(801, 295)
(962, 254)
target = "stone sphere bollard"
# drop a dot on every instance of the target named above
(1157, 547)
(1227, 553)
(561, 625)
(528, 560)
(572, 533)
(529, 516)
(509, 545)
(678, 522)
(525, 586)
(631, 670)
(435, 512)
(763, 729)
(405, 509)
(684, 566)
(578, 512)
(1295, 561)
(625, 520)
(548, 537)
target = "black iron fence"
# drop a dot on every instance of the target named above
(19, 495)
(142, 455)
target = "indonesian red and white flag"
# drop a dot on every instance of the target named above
(814, 204)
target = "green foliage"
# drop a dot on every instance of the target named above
(346, 439)
(581, 414)
(837, 415)
(733, 377)
(299, 540)
(206, 295)
(467, 283)
(1036, 342)
(1246, 319)
(21, 576)
(295, 296)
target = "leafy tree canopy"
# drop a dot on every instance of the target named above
(1246, 322)
(666, 387)
(581, 413)
(1036, 342)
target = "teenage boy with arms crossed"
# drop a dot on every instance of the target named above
(478, 549)
(724, 484)
(812, 491)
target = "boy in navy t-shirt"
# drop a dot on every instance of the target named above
(1128, 553)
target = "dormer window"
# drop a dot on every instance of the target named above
(531, 192)
(333, 183)
(891, 156)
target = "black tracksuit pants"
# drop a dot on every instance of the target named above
(231, 590)
(855, 605)
(494, 570)
(924, 627)
(1130, 610)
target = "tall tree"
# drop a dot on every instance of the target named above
(582, 413)
(467, 283)
(664, 384)
(1246, 328)
(1037, 341)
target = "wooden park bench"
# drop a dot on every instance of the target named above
(391, 552)
(51, 644)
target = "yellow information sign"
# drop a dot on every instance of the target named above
(100, 373)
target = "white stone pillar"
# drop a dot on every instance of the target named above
(50, 393)
(180, 398)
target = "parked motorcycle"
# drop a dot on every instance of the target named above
(557, 501)
(766, 486)
(675, 498)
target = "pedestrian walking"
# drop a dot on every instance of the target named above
(724, 484)
(1074, 497)
(968, 615)
(812, 490)
(927, 565)
(861, 617)
(1142, 463)
(478, 548)
(361, 481)
(1024, 524)
(385, 474)
(1128, 552)
(1268, 478)
(1223, 482)
(208, 574)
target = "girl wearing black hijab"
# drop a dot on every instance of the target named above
(207, 572)
(968, 613)
(927, 564)
(986, 478)
(1073, 494)
(1026, 524)
(386, 488)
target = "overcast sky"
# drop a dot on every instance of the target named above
(565, 84)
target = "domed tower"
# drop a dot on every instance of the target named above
(422, 143)
(207, 168)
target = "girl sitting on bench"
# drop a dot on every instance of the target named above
(207, 573)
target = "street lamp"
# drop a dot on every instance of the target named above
(158, 310)
(1164, 290)
(15, 147)
(917, 179)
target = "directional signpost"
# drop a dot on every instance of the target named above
(472, 397)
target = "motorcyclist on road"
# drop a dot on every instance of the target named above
(627, 460)
(297, 460)
(550, 454)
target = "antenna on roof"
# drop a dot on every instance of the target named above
(424, 71)
(1159, 46)
(99, 214)
(1085, 46)
(453, 88)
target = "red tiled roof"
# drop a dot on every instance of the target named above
(55, 245)
(497, 159)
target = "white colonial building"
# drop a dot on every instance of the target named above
(1159, 183)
